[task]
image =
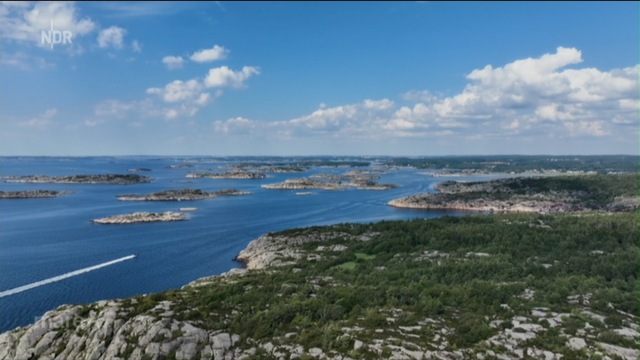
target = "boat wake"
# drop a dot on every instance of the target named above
(63, 276)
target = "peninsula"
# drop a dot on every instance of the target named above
(115, 179)
(30, 194)
(138, 217)
(535, 194)
(555, 286)
(181, 195)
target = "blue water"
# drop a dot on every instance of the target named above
(44, 238)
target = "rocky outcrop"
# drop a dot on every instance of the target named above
(181, 195)
(270, 250)
(235, 174)
(105, 331)
(32, 194)
(115, 179)
(138, 217)
(180, 166)
(139, 170)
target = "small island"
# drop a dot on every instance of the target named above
(344, 177)
(305, 193)
(115, 179)
(138, 217)
(181, 195)
(188, 209)
(31, 194)
(139, 170)
(234, 174)
(308, 183)
(180, 166)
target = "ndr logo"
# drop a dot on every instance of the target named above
(55, 36)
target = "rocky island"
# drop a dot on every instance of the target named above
(30, 194)
(535, 194)
(180, 166)
(115, 179)
(138, 217)
(345, 177)
(234, 174)
(308, 183)
(181, 195)
(505, 286)
(139, 170)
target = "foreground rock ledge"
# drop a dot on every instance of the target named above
(142, 217)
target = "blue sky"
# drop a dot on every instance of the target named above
(383, 78)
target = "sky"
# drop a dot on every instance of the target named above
(276, 78)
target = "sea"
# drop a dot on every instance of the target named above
(51, 254)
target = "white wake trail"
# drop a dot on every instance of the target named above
(62, 277)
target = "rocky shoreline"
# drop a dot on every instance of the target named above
(117, 329)
(115, 179)
(181, 195)
(514, 195)
(139, 217)
(31, 194)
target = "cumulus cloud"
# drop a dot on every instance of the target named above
(189, 95)
(225, 77)
(534, 96)
(111, 37)
(24, 21)
(178, 90)
(208, 55)
(173, 62)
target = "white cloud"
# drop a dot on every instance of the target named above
(24, 21)
(111, 37)
(208, 55)
(530, 97)
(23, 61)
(188, 97)
(173, 62)
(136, 46)
(236, 126)
(178, 90)
(225, 77)
(42, 121)
(419, 96)
(590, 128)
